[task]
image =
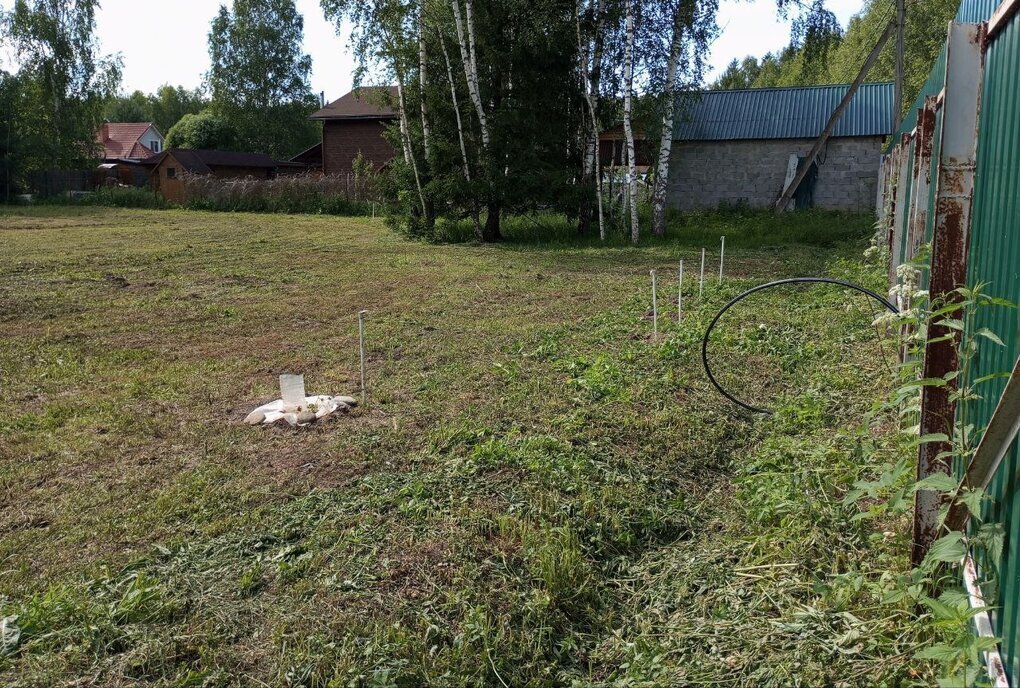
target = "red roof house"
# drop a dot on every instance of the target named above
(129, 141)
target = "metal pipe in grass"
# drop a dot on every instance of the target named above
(701, 282)
(740, 297)
(680, 295)
(655, 309)
(361, 347)
(722, 254)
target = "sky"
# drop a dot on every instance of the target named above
(164, 41)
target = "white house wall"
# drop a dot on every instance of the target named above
(149, 136)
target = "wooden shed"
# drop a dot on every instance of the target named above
(174, 162)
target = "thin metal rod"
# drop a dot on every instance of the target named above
(722, 254)
(680, 295)
(361, 342)
(655, 309)
(701, 283)
(998, 439)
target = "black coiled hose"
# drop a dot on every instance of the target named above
(760, 287)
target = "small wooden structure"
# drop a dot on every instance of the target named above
(172, 164)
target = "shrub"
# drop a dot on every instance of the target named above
(108, 196)
(306, 193)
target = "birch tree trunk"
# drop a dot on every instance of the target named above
(423, 83)
(628, 129)
(469, 58)
(405, 135)
(666, 140)
(460, 136)
(491, 231)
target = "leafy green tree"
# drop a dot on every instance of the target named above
(259, 76)
(826, 56)
(738, 74)
(60, 87)
(170, 103)
(205, 130)
(164, 108)
(131, 108)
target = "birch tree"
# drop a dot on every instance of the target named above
(677, 34)
(470, 60)
(465, 162)
(628, 127)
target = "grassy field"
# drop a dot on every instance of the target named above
(536, 493)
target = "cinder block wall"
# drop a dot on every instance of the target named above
(706, 174)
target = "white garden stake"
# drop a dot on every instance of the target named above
(655, 309)
(701, 283)
(361, 341)
(722, 253)
(680, 295)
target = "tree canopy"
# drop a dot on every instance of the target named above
(837, 57)
(205, 130)
(164, 108)
(259, 76)
(53, 101)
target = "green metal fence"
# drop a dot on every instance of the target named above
(991, 241)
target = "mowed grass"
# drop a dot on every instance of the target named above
(536, 493)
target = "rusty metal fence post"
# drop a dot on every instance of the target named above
(922, 184)
(954, 190)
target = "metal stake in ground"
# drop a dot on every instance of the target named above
(701, 283)
(361, 342)
(680, 295)
(655, 309)
(722, 254)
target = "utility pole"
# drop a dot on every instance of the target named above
(898, 86)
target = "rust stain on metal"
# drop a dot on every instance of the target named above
(926, 135)
(941, 356)
(954, 188)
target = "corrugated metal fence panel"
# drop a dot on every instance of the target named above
(972, 11)
(995, 260)
(782, 113)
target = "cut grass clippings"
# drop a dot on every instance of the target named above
(536, 493)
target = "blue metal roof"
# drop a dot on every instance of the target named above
(783, 113)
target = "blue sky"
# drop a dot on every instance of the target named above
(139, 30)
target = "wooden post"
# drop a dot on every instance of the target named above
(788, 192)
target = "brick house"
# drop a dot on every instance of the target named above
(168, 167)
(355, 124)
(744, 146)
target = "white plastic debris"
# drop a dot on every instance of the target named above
(297, 408)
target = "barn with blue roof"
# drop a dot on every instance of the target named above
(742, 147)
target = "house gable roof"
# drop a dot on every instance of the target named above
(783, 113)
(123, 139)
(202, 161)
(367, 102)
